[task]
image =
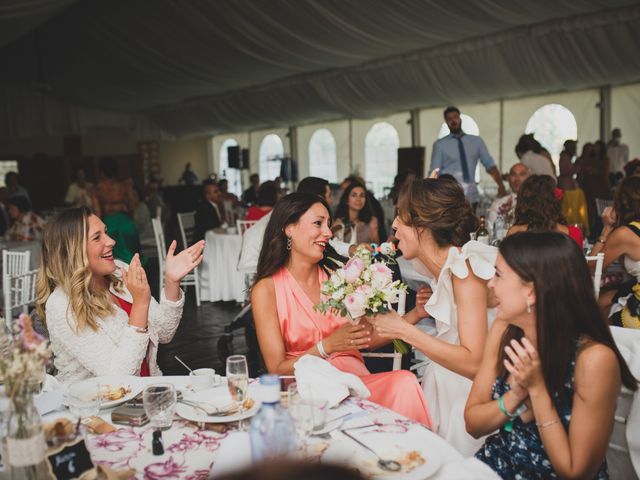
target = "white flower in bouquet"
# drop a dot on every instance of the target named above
(356, 304)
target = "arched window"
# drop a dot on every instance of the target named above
(322, 155)
(469, 126)
(381, 156)
(552, 125)
(271, 148)
(232, 175)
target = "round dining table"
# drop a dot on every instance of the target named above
(194, 453)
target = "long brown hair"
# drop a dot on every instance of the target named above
(536, 206)
(288, 210)
(64, 264)
(566, 307)
(627, 201)
(438, 204)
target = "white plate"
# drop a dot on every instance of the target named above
(343, 450)
(115, 381)
(218, 397)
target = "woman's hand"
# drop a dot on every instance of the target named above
(609, 217)
(422, 297)
(135, 279)
(524, 364)
(177, 266)
(389, 325)
(348, 337)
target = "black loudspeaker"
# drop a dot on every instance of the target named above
(411, 159)
(233, 157)
(244, 159)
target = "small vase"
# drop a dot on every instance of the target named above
(26, 447)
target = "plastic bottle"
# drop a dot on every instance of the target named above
(272, 431)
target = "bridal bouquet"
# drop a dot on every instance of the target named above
(364, 287)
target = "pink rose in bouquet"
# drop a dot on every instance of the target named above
(353, 269)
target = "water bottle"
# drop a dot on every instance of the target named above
(272, 431)
(500, 228)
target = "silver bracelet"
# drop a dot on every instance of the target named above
(138, 329)
(321, 350)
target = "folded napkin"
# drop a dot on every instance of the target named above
(319, 380)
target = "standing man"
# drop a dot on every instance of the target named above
(618, 154)
(458, 153)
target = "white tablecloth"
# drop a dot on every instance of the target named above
(219, 276)
(193, 453)
(33, 247)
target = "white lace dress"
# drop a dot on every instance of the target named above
(446, 392)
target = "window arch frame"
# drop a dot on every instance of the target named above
(383, 178)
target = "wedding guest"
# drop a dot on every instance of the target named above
(355, 222)
(80, 192)
(538, 209)
(433, 227)
(506, 205)
(99, 312)
(268, 194)
(566, 179)
(227, 196)
(593, 177)
(618, 154)
(141, 217)
(620, 237)
(208, 215)
(5, 221)
(534, 156)
(188, 176)
(26, 226)
(113, 203)
(14, 188)
(551, 372)
(291, 268)
(250, 195)
(376, 207)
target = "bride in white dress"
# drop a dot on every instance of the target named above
(433, 226)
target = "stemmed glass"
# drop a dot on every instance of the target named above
(159, 401)
(307, 414)
(238, 382)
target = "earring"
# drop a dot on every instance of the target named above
(288, 243)
(528, 306)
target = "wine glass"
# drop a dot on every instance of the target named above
(84, 398)
(159, 401)
(238, 382)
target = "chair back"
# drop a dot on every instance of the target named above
(187, 224)
(244, 225)
(158, 234)
(13, 263)
(597, 274)
(19, 292)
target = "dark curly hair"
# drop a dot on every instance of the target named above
(627, 201)
(438, 204)
(342, 210)
(537, 207)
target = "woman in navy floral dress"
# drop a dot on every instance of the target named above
(551, 372)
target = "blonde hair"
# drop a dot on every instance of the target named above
(64, 263)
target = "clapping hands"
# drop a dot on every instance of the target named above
(177, 266)
(524, 364)
(135, 279)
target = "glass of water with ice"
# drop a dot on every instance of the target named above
(159, 402)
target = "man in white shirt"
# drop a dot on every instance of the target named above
(517, 175)
(618, 154)
(79, 192)
(252, 239)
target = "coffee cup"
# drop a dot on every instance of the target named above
(232, 230)
(203, 378)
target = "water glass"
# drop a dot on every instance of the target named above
(159, 402)
(84, 398)
(238, 381)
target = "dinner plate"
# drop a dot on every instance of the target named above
(218, 397)
(390, 446)
(126, 381)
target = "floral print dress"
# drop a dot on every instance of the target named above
(519, 454)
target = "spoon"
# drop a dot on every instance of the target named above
(388, 465)
(183, 364)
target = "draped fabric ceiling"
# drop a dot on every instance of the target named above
(196, 66)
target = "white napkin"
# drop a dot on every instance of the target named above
(234, 454)
(319, 380)
(52, 396)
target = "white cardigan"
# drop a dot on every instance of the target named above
(114, 349)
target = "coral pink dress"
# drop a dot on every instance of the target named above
(302, 327)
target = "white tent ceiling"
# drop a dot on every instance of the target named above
(195, 66)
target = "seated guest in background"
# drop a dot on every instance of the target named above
(14, 189)
(250, 195)
(113, 203)
(551, 372)
(80, 192)
(291, 268)
(208, 214)
(267, 197)
(538, 209)
(141, 217)
(26, 226)
(505, 206)
(99, 312)
(531, 154)
(252, 239)
(620, 237)
(355, 222)
(227, 196)
(434, 226)
(373, 202)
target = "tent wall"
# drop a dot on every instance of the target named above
(625, 114)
